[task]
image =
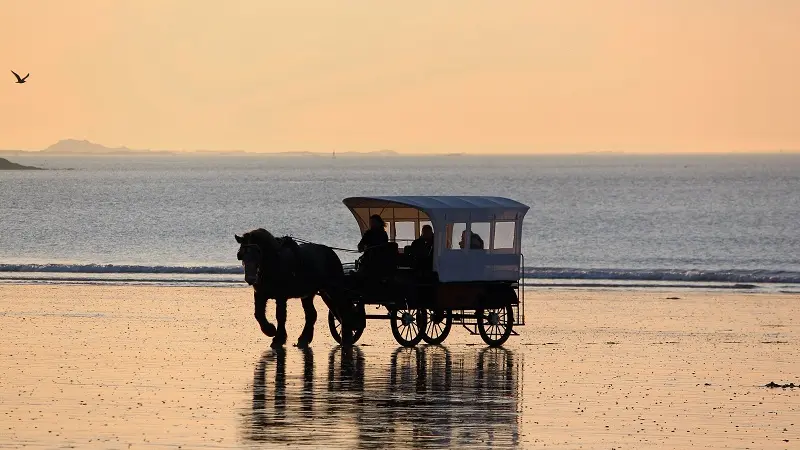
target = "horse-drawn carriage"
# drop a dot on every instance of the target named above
(473, 285)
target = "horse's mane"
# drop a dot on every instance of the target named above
(263, 238)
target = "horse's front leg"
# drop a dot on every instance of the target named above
(311, 318)
(280, 315)
(261, 314)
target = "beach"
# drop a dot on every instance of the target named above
(121, 366)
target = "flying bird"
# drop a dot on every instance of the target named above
(20, 80)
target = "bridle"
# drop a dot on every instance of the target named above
(249, 253)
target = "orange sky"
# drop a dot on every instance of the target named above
(413, 76)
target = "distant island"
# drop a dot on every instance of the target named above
(76, 147)
(8, 165)
(84, 147)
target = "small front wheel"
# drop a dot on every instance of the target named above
(437, 326)
(407, 325)
(495, 324)
(336, 329)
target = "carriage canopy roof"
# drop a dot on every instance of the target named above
(430, 203)
(439, 208)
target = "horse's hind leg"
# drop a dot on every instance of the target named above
(280, 314)
(311, 318)
(261, 315)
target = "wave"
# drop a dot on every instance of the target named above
(549, 273)
(690, 275)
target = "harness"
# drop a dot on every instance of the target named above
(289, 256)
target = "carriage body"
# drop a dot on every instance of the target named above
(476, 286)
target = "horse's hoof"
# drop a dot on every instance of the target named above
(276, 344)
(304, 340)
(270, 330)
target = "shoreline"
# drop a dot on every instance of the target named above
(530, 285)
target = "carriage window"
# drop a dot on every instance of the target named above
(454, 237)
(403, 232)
(388, 227)
(504, 235)
(480, 235)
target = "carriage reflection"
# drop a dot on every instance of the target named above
(424, 397)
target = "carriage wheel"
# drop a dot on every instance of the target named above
(407, 325)
(437, 326)
(336, 329)
(494, 324)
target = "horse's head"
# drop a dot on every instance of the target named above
(254, 247)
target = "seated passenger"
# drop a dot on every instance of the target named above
(422, 249)
(376, 235)
(475, 241)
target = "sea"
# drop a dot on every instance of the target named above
(597, 221)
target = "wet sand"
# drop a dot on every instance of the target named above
(135, 367)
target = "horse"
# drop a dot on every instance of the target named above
(280, 268)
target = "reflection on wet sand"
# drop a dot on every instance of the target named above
(421, 397)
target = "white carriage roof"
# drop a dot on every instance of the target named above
(430, 204)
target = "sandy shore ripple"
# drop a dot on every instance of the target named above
(158, 367)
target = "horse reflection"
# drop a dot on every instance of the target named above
(269, 406)
(424, 397)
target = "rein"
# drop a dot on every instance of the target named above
(303, 241)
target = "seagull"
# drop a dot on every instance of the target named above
(20, 80)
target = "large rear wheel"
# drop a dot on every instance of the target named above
(437, 325)
(407, 325)
(336, 329)
(495, 324)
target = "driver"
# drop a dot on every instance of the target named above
(376, 235)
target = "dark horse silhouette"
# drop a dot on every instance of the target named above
(281, 269)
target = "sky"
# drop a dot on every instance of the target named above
(414, 76)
